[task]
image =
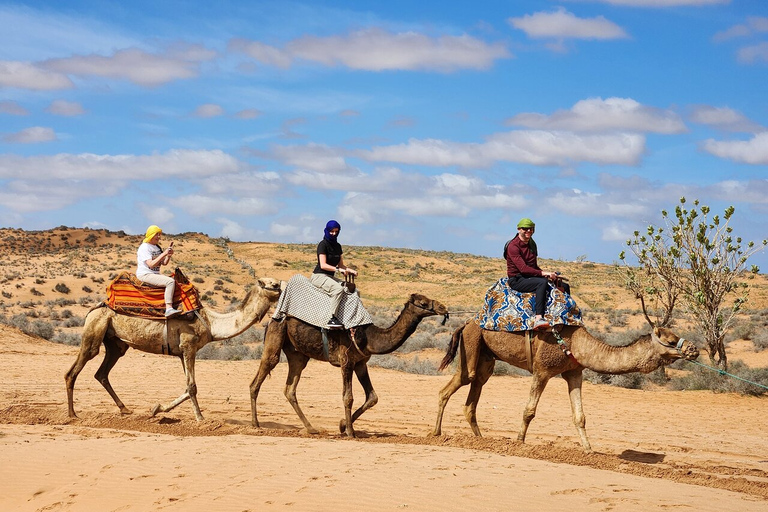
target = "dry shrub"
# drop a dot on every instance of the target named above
(705, 378)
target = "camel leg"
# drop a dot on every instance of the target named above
(296, 364)
(538, 383)
(188, 364)
(361, 370)
(459, 379)
(347, 398)
(574, 379)
(471, 347)
(114, 349)
(269, 359)
(93, 334)
(485, 366)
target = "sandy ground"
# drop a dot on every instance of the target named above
(654, 450)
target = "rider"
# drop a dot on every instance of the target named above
(524, 272)
(150, 257)
(330, 261)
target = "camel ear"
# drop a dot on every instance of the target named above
(657, 331)
(261, 284)
(413, 298)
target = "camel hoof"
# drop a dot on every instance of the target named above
(125, 411)
(312, 430)
(342, 426)
(156, 409)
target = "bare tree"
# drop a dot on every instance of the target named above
(698, 260)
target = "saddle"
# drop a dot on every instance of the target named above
(128, 295)
(505, 309)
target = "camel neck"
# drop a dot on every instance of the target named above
(598, 356)
(232, 323)
(385, 340)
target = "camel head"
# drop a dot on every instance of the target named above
(676, 347)
(269, 288)
(426, 307)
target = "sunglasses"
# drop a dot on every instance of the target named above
(526, 229)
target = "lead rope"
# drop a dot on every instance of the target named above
(562, 344)
(723, 372)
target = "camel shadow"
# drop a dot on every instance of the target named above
(168, 421)
(644, 457)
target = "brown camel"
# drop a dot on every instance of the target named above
(301, 342)
(183, 338)
(481, 348)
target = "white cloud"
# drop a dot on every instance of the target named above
(754, 25)
(535, 147)
(599, 115)
(755, 53)
(753, 151)
(208, 110)
(201, 206)
(65, 108)
(248, 113)
(174, 163)
(377, 50)
(617, 232)
(263, 184)
(665, 3)
(29, 196)
(749, 191)
(159, 215)
(24, 75)
(12, 108)
(131, 64)
(724, 118)
(32, 135)
(562, 24)
(313, 157)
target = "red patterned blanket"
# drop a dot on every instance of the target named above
(127, 295)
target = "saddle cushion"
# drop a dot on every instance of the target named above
(128, 295)
(508, 310)
(303, 300)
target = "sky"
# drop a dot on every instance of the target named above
(426, 125)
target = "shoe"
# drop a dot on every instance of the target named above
(169, 312)
(540, 325)
(334, 323)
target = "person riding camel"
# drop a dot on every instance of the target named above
(330, 261)
(150, 257)
(524, 272)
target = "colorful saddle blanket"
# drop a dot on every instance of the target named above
(508, 310)
(305, 301)
(128, 295)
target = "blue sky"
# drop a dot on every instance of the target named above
(431, 125)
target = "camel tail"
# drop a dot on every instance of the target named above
(450, 354)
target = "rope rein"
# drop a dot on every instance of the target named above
(723, 372)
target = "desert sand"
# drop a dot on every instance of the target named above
(654, 450)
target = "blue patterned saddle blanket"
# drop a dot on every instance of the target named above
(508, 310)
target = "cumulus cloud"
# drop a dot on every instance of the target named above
(31, 135)
(160, 215)
(243, 184)
(665, 3)
(65, 108)
(25, 75)
(313, 157)
(29, 196)
(12, 108)
(724, 118)
(599, 115)
(83, 166)
(754, 25)
(201, 206)
(754, 53)
(748, 191)
(753, 151)
(208, 110)
(562, 24)
(133, 64)
(535, 147)
(374, 49)
(248, 113)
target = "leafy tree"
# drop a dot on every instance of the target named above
(697, 260)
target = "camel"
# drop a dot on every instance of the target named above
(347, 349)
(183, 338)
(481, 348)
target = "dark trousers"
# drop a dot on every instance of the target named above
(538, 285)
